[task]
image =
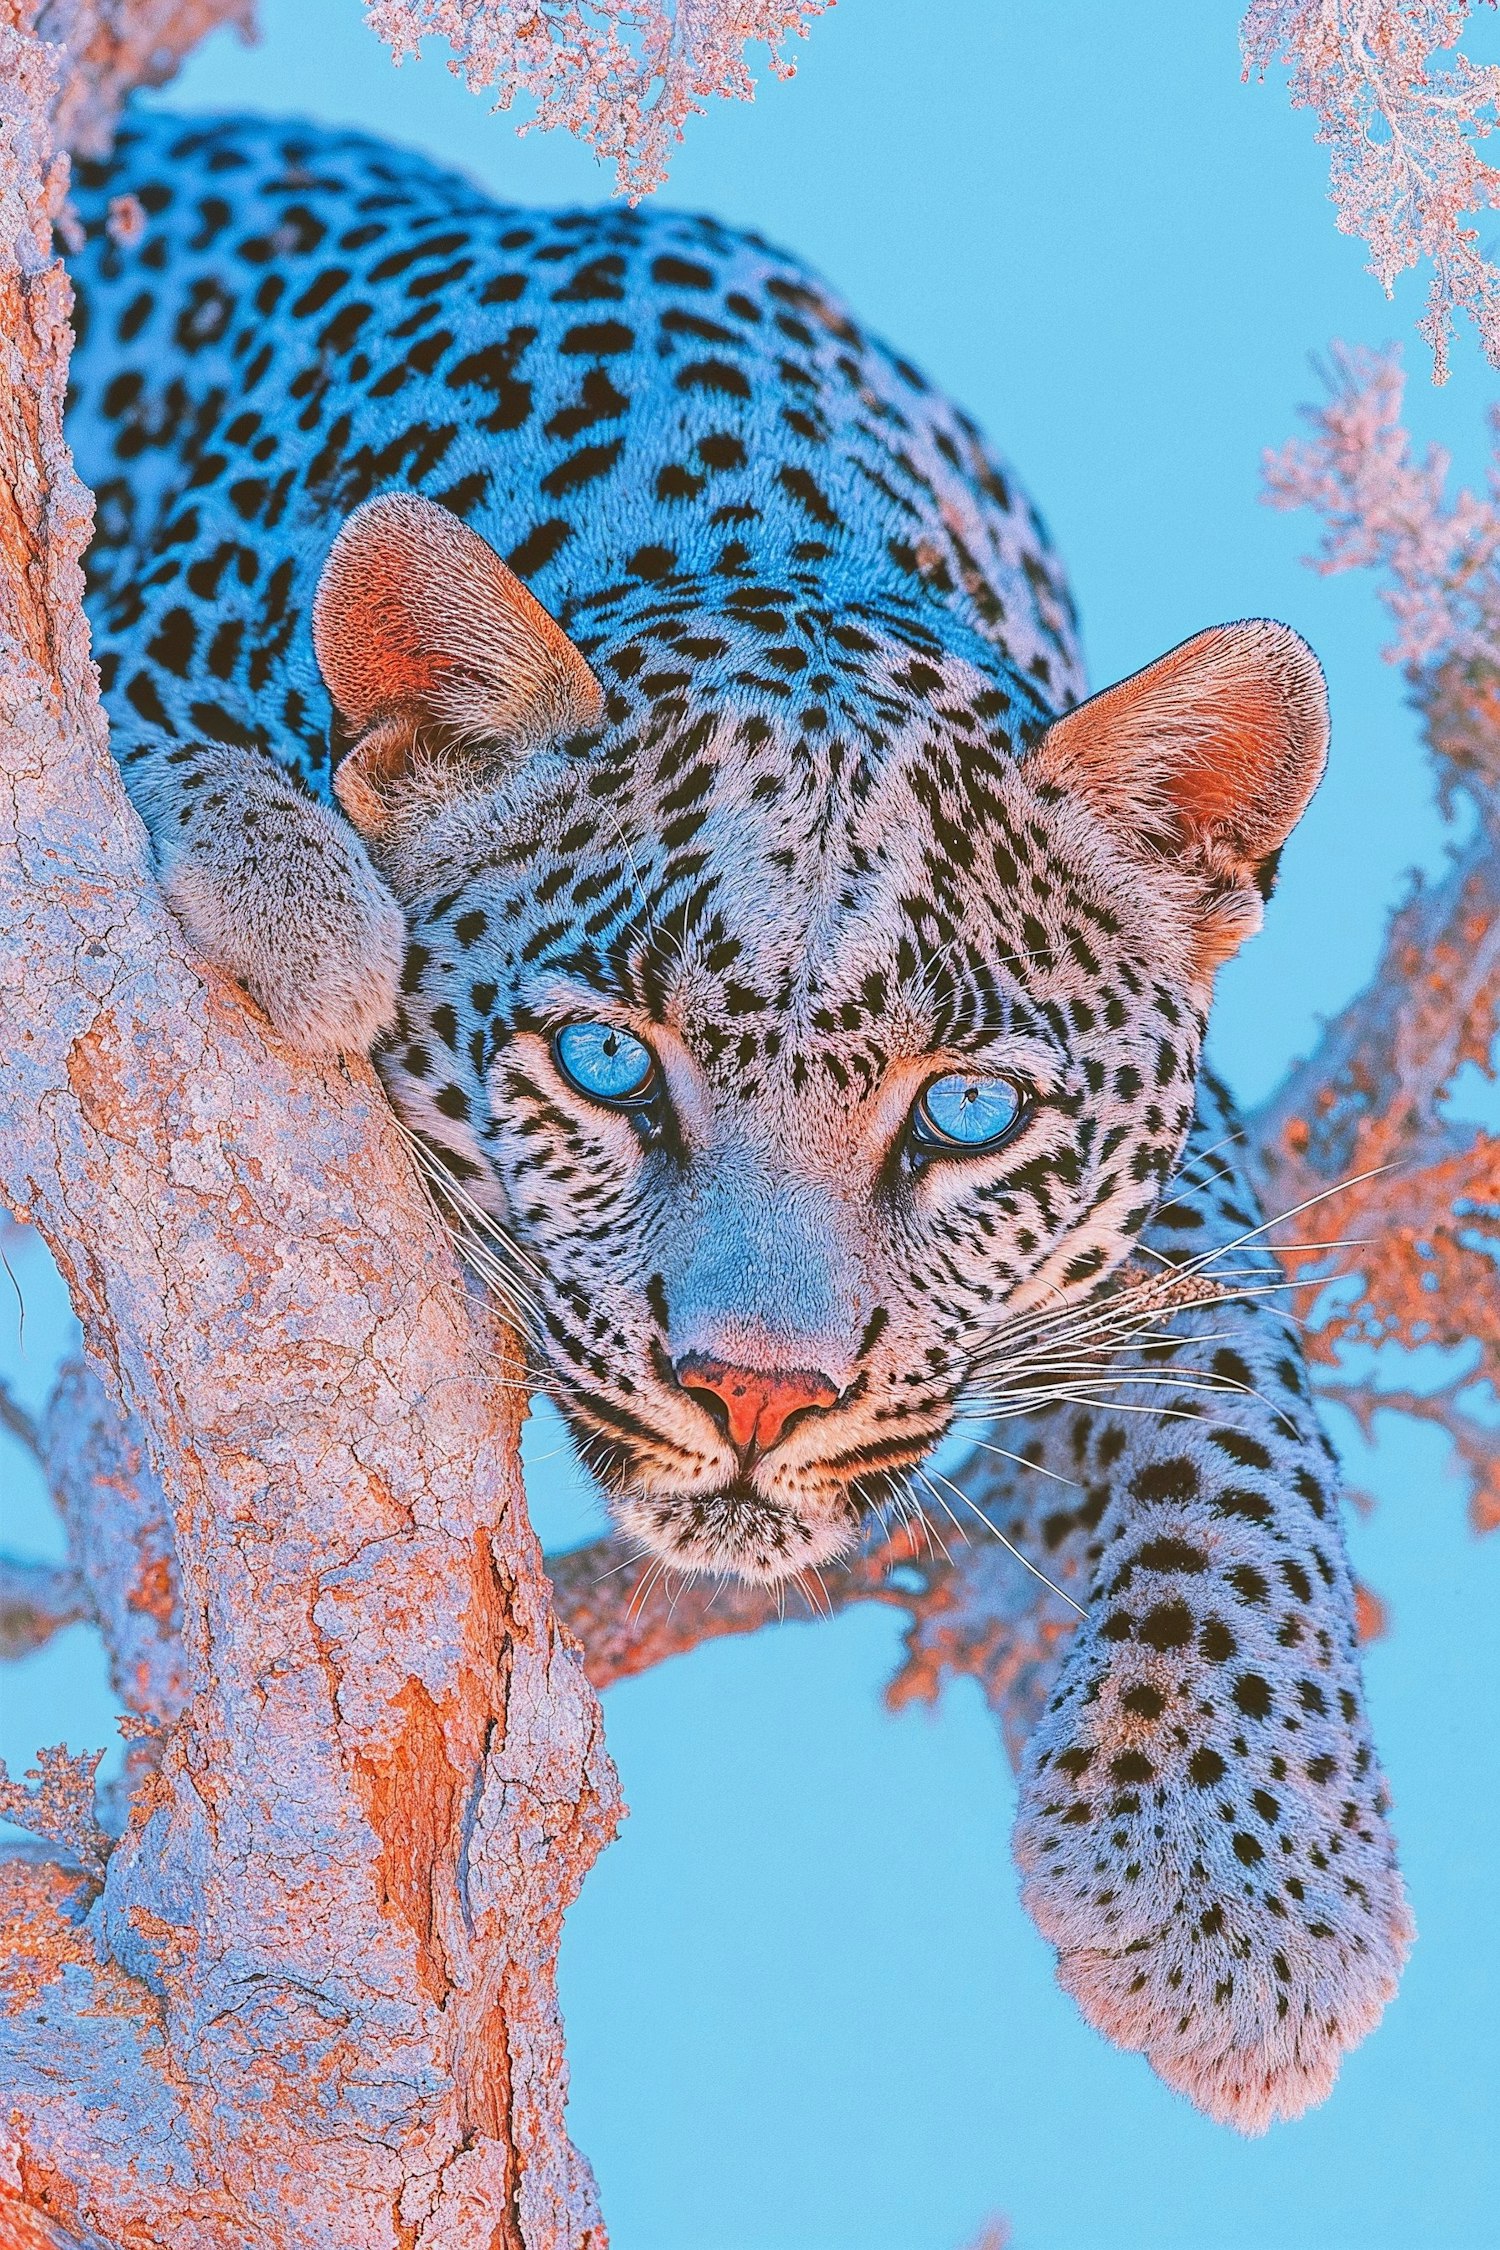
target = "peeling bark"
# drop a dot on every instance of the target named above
(313, 2002)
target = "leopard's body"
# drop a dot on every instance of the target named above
(805, 851)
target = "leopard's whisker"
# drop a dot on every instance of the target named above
(1105, 1405)
(454, 1192)
(947, 1511)
(521, 1310)
(913, 1518)
(1252, 1234)
(984, 1445)
(1008, 1544)
(639, 1598)
(1114, 1322)
(615, 1569)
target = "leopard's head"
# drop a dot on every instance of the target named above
(800, 1011)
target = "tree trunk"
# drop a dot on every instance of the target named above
(313, 2001)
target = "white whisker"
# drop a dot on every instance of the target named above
(1009, 1545)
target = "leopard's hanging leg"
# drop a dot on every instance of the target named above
(1202, 1831)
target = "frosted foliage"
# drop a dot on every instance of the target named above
(1403, 131)
(59, 1805)
(624, 75)
(1371, 1107)
(1384, 507)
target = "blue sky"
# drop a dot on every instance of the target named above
(805, 2009)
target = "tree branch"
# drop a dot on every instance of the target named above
(973, 1608)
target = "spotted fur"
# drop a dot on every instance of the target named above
(819, 830)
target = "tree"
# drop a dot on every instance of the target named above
(314, 1993)
(1402, 136)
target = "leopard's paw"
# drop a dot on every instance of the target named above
(1221, 1887)
(278, 891)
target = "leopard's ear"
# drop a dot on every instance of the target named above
(433, 651)
(1202, 764)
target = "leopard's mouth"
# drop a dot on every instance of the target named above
(762, 1523)
(740, 1532)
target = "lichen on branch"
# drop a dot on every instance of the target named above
(59, 1804)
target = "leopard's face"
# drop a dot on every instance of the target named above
(802, 1009)
(798, 1065)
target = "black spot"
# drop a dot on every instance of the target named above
(680, 273)
(328, 284)
(1247, 1451)
(1235, 1500)
(538, 547)
(1171, 1554)
(1297, 1579)
(597, 339)
(1174, 1479)
(1168, 1625)
(585, 466)
(716, 375)
(1132, 1765)
(808, 494)
(652, 562)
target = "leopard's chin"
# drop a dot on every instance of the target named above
(739, 1533)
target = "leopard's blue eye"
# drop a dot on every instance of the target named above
(604, 1062)
(967, 1114)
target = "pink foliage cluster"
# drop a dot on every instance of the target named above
(1406, 168)
(624, 75)
(59, 1805)
(1384, 507)
(1371, 1107)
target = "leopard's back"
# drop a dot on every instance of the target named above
(616, 400)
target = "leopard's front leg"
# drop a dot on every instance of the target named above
(273, 887)
(1202, 1831)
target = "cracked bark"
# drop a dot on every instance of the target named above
(313, 2002)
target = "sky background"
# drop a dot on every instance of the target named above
(805, 2010)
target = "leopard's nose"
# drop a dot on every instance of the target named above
(754, 1406)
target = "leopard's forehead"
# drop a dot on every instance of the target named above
(767, 751)
(811, 888)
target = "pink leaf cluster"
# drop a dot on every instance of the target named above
(1421, 1186)
(59, 1805)
(1406, 168)
(623, 75)
(1384, 508)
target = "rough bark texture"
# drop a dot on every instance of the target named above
(313, 2002)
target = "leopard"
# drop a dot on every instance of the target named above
(563, 655)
